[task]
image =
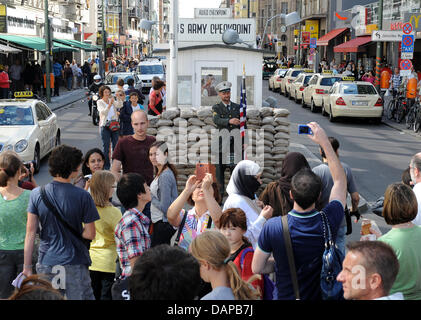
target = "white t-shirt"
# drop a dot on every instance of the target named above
(254, 221)
(417, 191)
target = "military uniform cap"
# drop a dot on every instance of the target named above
(223, 86)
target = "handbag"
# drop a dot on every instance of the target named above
(290, 254)
(86, 242)
(331, 265)
(113, 125)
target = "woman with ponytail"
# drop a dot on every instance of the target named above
(13, 214)
(233, 225)
(212, 250)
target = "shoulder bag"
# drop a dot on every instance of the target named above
(331, 265)
(86, 242)
(290, 254)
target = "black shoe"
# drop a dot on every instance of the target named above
(89, 114)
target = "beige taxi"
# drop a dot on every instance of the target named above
(349, 98)
(317, 88)
(274, 81)
(290, 76)
(299, 84)
(28, 127)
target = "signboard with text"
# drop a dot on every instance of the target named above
(212, 13)
(387, 36)
(3, 18)
(211, 30)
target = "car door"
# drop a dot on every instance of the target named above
(51, 127)
(43, 128)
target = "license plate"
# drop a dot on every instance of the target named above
(359, 103)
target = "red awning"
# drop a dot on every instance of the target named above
(353, 45)
(86, 35)
(324, 41)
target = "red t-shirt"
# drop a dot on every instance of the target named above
(4, 80)
(246, 272)
(134, 156)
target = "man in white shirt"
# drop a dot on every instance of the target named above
(369, 270)
(415, 171)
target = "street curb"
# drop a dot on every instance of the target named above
(396, 127)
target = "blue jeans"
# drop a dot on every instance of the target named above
(107, 137)
(69, 83)
(340, 239)
(73, 281)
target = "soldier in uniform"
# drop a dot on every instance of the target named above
(226, 115)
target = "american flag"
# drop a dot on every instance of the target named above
(243, 110)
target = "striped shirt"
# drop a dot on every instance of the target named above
(132, 238)
(194, 226)
(396, 81)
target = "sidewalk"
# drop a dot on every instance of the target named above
(398, 126)
(66, 98)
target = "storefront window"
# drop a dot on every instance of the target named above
(209, 78)
(249, 89)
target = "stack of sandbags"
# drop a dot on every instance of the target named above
(188, 133)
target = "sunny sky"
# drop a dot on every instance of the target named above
(186, 7)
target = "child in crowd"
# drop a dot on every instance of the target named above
(212, 250)
(233, 225)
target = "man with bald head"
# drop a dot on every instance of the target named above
(415, 171)
(132, 152)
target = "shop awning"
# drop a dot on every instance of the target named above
(353, 45)
(6, 49)
(324, 41)
(76, 44)
(34, 43)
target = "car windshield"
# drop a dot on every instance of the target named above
(352, 88)
(16, 116)
(151, 69)
(112, 79)
(329, 81)
(295, 73)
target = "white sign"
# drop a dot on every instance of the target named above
(211, 30)
(21, 22)
(407, 55)
(387, 36)
(212, 13)
(405, 73)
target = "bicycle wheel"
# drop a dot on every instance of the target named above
(410, 119)
(391, 110)
(400, 114)
(417, 122)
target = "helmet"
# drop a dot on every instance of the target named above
(97, 78)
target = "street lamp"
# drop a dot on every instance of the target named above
(290, 19)
(47, 53)
(231, 36)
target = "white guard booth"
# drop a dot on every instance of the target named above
(202, 66)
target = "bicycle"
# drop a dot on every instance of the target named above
(393, 105)
(417, 122)
(411, 116)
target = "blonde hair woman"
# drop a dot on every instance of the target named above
(212, 250)
(103, 249)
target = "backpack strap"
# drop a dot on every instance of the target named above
(180, 229)
(243, 256)
(290, 254)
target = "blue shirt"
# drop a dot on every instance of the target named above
(307, 239)
(58, 245)
(57, 68)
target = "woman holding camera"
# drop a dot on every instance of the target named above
(107, 115)
(13, 214)
(204, 197)
(93, 161)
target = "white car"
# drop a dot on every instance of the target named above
(274, 81)
(299, 84)
(28, 127)
(353, 99)
(148, 69)
(290, 76)
(317, 88)
(111, 80)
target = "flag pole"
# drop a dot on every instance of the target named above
(243, 113)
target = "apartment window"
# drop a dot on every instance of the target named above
(284, 7)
